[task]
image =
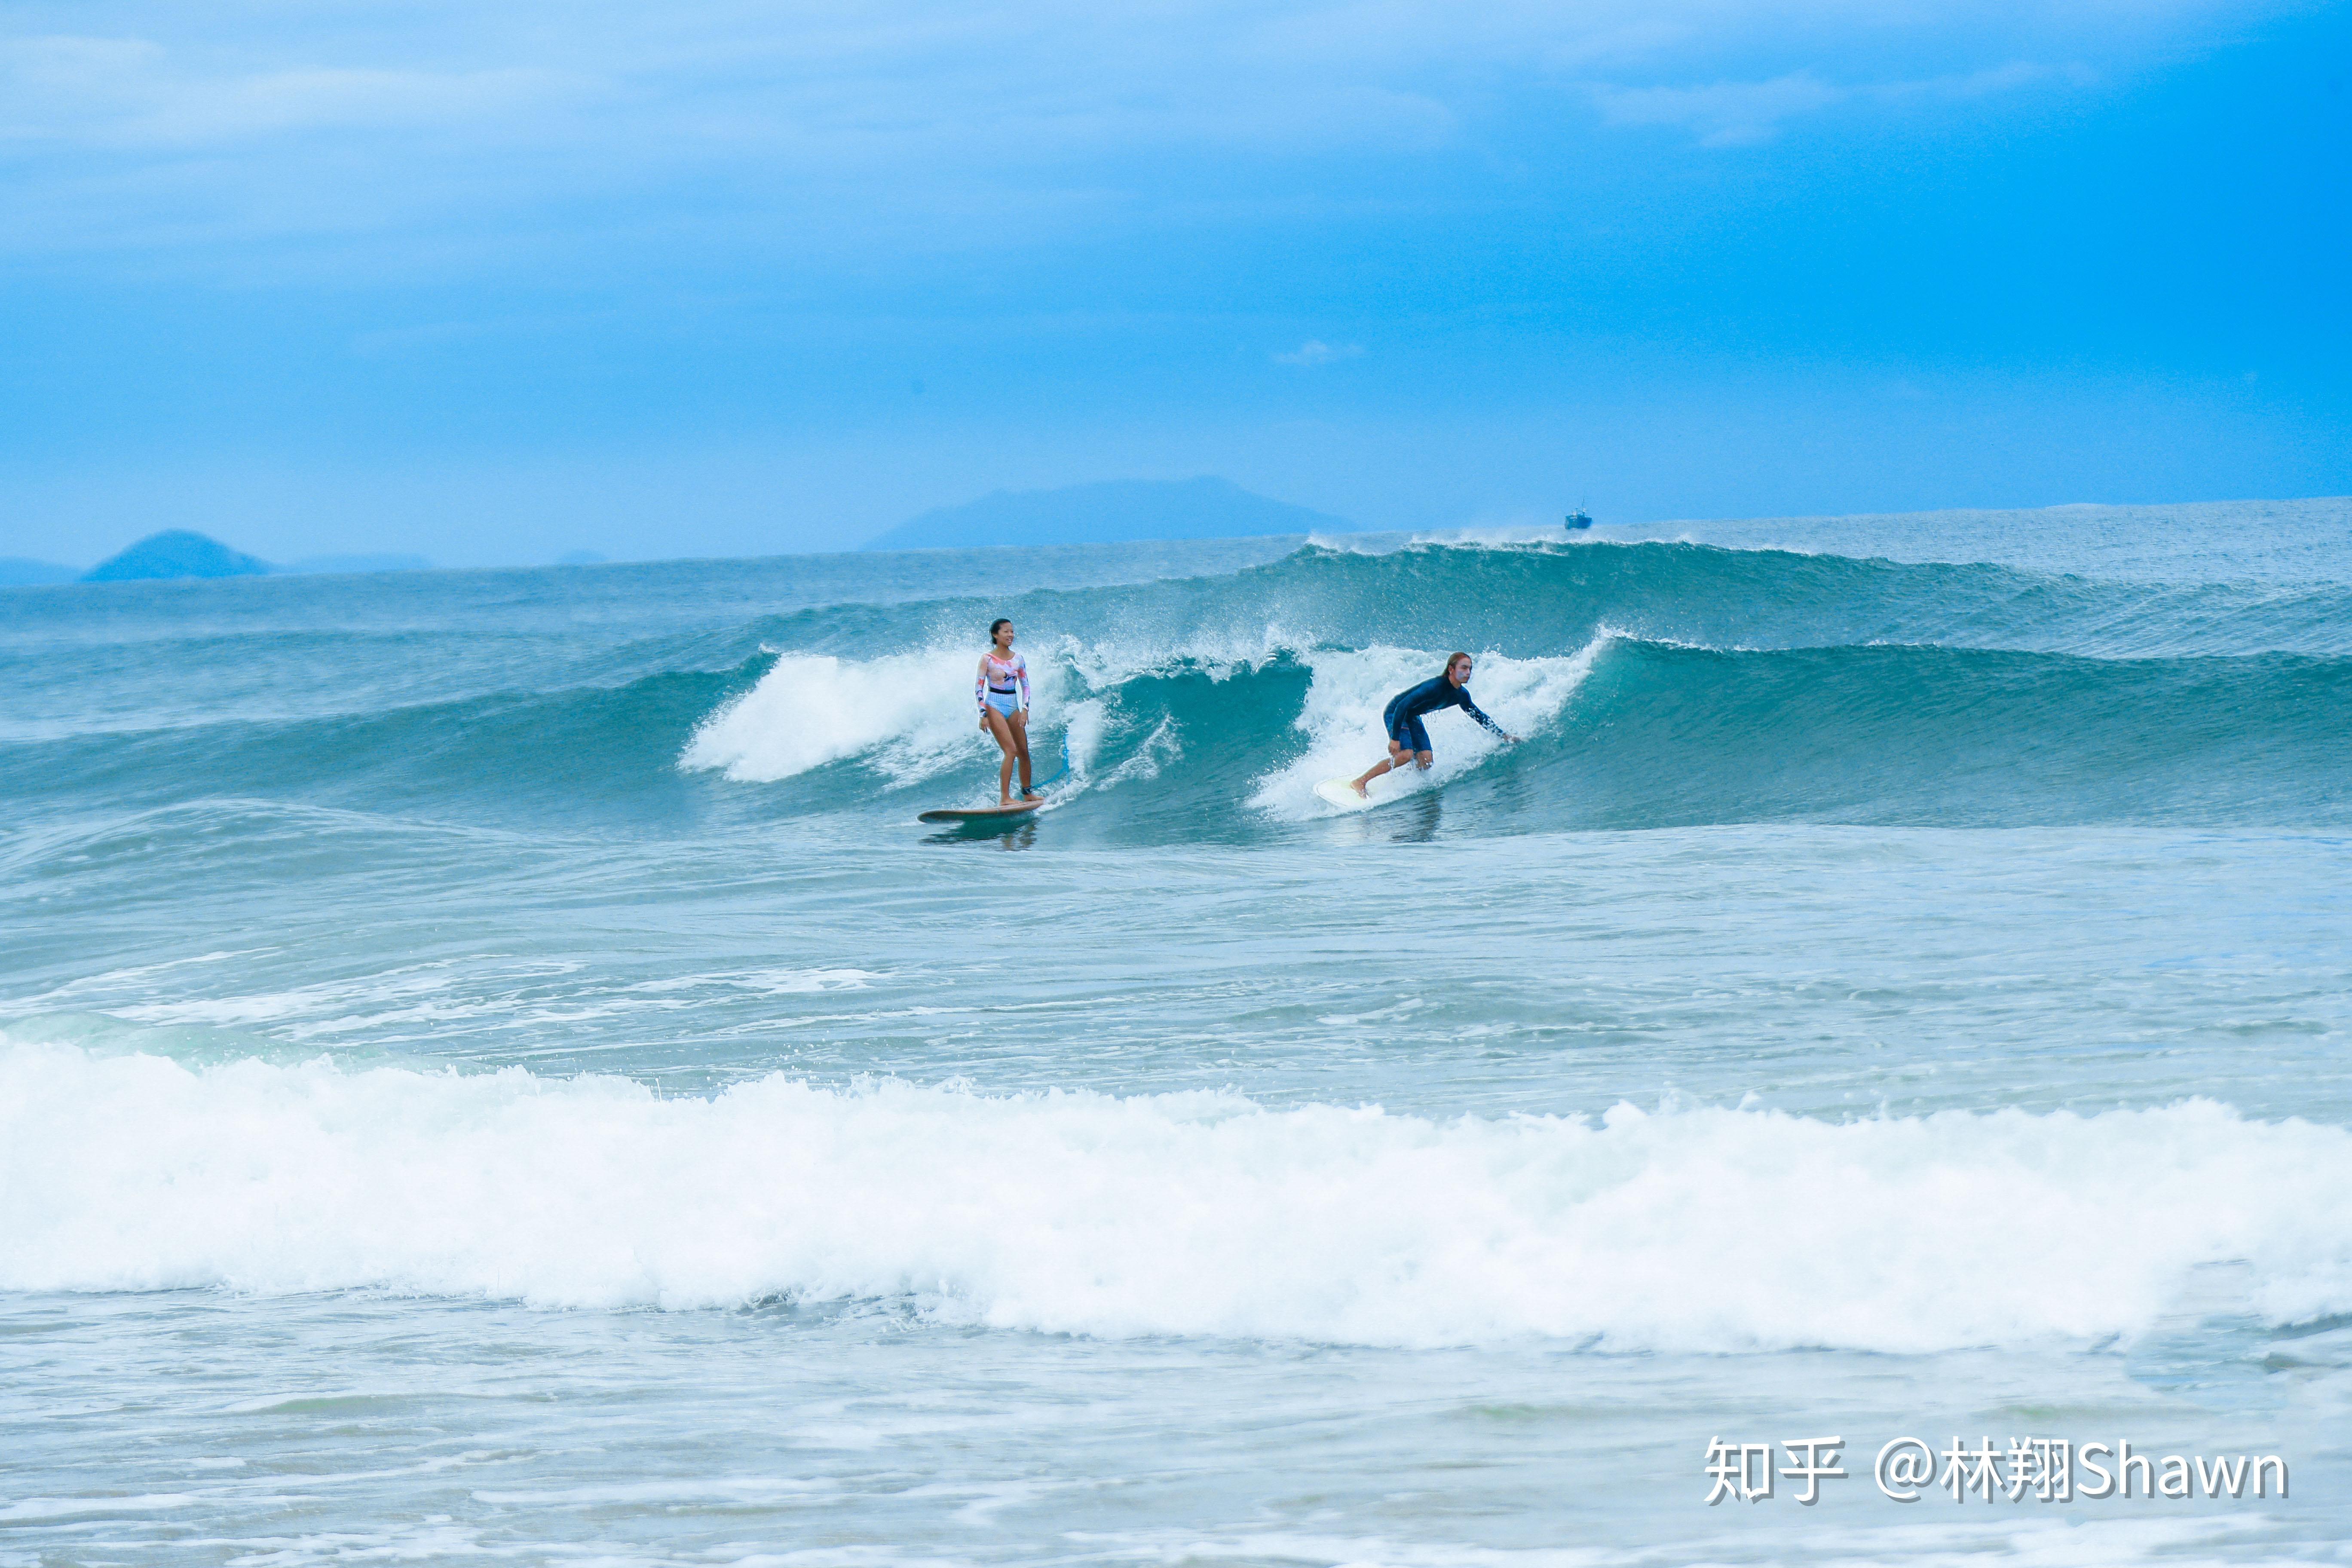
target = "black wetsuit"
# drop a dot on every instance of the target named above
(1403, 713)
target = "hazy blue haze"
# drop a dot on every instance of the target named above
(489, 284)
(1112, 511)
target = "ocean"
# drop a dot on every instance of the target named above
(492, 1071)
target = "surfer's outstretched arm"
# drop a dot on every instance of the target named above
(1476, 713)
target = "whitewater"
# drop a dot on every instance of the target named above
(491, 1068)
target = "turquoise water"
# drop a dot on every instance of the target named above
(493, 1069)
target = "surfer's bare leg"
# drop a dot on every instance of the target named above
(1020, 723)
(1397, 755)
(1000, 731)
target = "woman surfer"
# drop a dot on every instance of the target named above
(1003, 693)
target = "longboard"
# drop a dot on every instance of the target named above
(979, 813)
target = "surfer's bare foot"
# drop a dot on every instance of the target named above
(1363, 791)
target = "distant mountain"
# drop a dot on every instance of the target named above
(18, 571)
(1115, 512)
(310, 565)
(175, 552)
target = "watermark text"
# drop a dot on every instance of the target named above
(2043, 1470)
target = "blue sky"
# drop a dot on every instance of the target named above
(494, 281)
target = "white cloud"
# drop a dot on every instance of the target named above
(1314, 351)
(1720, 114)
(134, 92)
(1737, 114)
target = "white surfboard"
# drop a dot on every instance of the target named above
(1342, 793)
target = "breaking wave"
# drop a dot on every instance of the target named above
(1189, 1214)
(1657, 685)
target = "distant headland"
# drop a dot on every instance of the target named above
(1115, 512)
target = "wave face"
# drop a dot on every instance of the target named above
(1657, 684)
(1198, 1214)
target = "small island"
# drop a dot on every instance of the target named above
(179, 553)
(175, 552)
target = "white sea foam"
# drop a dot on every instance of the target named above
(1493, 535)
(1191, 1213)
(1160, 747)
(363, 1016)
(1939, 1540)
(1219, 655)
(1342, 717)
(911, 714)
(411, 995)
(1084, 725)
(765, 982)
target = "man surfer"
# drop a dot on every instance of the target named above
(1408, 739)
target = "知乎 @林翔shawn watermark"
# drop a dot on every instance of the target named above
(2047, 1470)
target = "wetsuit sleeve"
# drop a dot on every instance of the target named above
(980, 685)
(1021, 669)
(1461, 696)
